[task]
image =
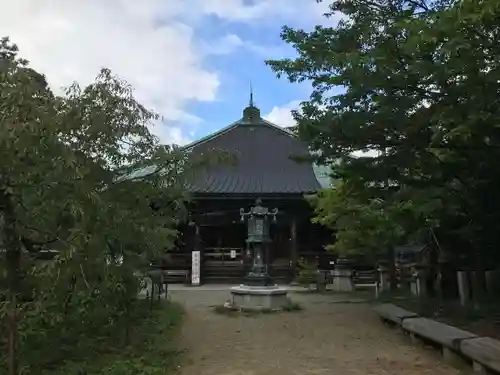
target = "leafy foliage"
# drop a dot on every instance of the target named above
(69, 182)
(307, 274)
(366, 224)
(151, 350)
(416, 82)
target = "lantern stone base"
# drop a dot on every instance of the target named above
(342, 280)
(261, 279)
(259, 297)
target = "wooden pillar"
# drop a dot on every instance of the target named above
(197, 239)
(218, 245)
(293, 247)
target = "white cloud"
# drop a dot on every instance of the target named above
(282, 116)
(231, 43)
(149, 43)
(142, 41)
(223, 46)
(173, 134)
(302, 11)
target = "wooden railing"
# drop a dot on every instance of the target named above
(365, 277)
(223, 254)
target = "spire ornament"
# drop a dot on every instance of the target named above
(251, 114)
(251, 95)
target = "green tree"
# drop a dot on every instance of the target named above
(364, 55)
(69, 181)
(418, 79)
(367, 225)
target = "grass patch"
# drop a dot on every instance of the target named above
(227, 311)
(234, 312)
(310, 291)
(293, 306)
(356, 296)
(366, 293)
(152, 349)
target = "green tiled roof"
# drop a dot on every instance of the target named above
(322, 173)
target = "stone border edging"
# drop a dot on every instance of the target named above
(456, 344)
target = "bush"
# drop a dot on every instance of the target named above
(307, 274)
(151, 349)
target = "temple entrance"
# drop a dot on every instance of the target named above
(225, 256)
(223, 252)
(223, 248)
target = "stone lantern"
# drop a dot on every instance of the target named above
(258, 291)
(259, 220)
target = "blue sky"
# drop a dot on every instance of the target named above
(236, 71)
(237, 67)
(189, 60)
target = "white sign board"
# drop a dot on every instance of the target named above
(195, 268)
(233, 254)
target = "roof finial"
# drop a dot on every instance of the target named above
(251, 94)
(251, 113)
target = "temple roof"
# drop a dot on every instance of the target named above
(264, 165)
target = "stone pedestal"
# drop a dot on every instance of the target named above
(414, 287)
(418, 286)
(321, 281)
(464, 289)
(259, 297)
(384, 282)
(342, 280)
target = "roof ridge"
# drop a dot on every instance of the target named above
(240, 122)
(277, 127)
(211, 135)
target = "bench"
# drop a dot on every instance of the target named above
(393, 313)
(484, 352)
(448, 337)
(176, 275)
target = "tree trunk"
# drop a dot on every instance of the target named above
(152, 297)
(12, 334)
(69, 294)
(128, 307)
(13, 264)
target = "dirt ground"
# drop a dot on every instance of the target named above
(326, 337)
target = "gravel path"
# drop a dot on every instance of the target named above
(325, 338)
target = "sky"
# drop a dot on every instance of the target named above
(191, 61)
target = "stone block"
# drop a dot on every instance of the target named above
(342, 280)
(259, 298)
